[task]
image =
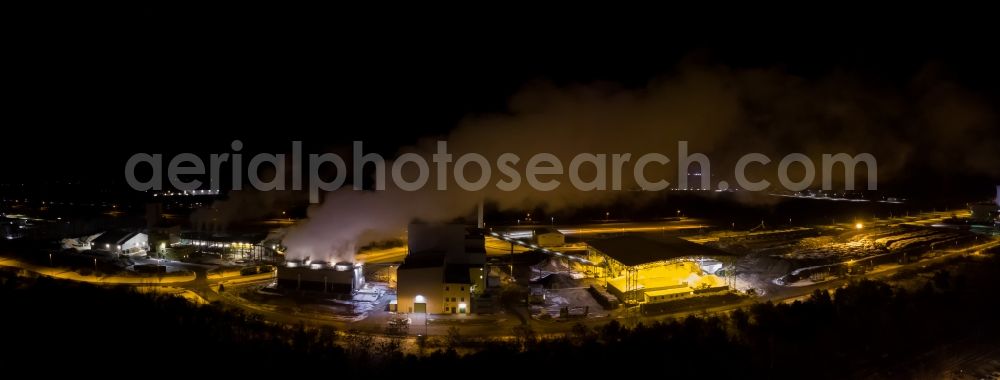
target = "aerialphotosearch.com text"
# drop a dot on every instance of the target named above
(507, 172)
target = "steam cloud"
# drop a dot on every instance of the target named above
(723, 113)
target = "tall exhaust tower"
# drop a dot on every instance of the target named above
(998, 196)
(480, 224)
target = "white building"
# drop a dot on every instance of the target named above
(122, 242)
(81, 243)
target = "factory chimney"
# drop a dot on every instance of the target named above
(480, 224)
(997, 200)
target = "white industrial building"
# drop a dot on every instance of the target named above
(122, 242)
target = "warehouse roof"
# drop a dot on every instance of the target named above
(113, 238)
(631, 250)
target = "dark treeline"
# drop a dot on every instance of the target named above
(867, 329)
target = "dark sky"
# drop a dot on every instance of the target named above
(86, 98)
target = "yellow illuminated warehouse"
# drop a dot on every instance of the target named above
(651, 269)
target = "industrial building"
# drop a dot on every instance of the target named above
(986, 213)
(246, 246)
(80, 244)
(220, 240)
(641, 269)
(121, 242)
(983, 212)
(549, 237)
(456, 243)
(341, 278)
(443, 269)
(11, 228)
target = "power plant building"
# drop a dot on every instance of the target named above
(443, 269)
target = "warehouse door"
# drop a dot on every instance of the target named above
(420, 307)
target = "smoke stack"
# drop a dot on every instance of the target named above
(153, 211)
(480, 224)
(997, 200)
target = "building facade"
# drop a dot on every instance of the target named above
(443, 270)
(122, 242)
(546, 237)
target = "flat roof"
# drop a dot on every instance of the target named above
(654, 283)
(664, 292)
(114, 237)
(254, 237)
(632, 250)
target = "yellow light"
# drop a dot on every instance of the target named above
(859, 226)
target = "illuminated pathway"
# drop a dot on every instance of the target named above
(66, 274)
(686, 224)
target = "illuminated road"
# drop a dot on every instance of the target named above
(624, 227)
(382, 256)
(923, 219)
(172, 278)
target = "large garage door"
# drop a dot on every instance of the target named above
(420, 308)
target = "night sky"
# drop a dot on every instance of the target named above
(83, 102)
(873, 284)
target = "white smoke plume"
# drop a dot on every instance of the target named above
(721, 112)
